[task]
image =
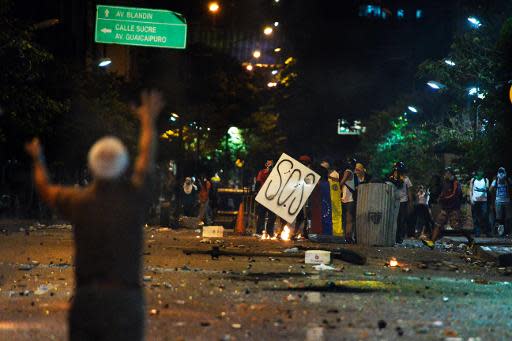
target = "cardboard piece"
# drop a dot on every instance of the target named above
(287, 188)
(213, 232)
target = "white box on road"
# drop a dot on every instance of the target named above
(213, 231)
(317, 257)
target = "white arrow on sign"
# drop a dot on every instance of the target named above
(106, 30)
(106, 12)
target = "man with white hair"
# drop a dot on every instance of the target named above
(107, 218)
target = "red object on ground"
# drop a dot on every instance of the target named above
(240, 227)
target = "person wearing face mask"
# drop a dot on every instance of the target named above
(478, 188)
(450, 201)
(501, 193)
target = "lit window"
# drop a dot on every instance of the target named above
(419, 14)
(400, 14)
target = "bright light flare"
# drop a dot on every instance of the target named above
(412, 109)
(276, 23)
(474, 22)
(286, 233)
(256, 54)
(105, 62)
(213, 7)
(268, 30)
(436, 85)
(449, 62)
(271, 84)
(277, 49)
(393, 262)
(249, 67)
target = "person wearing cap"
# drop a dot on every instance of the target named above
(261, 211)
(107, 218)
(501, 193)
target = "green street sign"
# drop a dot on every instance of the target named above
(140, 27)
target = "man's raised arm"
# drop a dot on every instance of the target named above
(47, 191)
(151, 105)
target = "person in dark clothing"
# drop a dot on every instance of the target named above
(450, 201)
(261, 211)
(403, 186)
(189, 198)
(107, 218)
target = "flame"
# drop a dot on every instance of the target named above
(285, 234)
(299, 237)
(393, 262)
(265, 235)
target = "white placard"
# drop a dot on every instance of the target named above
(287, 188)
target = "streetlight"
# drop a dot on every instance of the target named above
(474, 22)
(276, 23)
(104, 62)
(271, 84)
(277, 49)
(412, 109)
(436, 85)
(274, 72)
(268, 30)
(249, 67)
(213, 7)
(256, 54)
(472, 91)
(449, 62)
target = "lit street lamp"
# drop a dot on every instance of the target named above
(474, 22)
(412, 109)
(249, 67)
(256, 54)
(213, 7)
(436, 85)
(449, 62)
(268, 30)
(276, 23)
(104, 62)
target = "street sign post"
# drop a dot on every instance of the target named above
(140, 27)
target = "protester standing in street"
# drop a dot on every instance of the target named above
(348, 205)
(423, 219)
(478, 188)
(204, 201)
(189, 198)
(107, 218)
(450, 201)
(261, 211)
(403, 186)
(362, 175)
(501, 190)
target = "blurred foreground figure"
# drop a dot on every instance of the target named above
(107, 218)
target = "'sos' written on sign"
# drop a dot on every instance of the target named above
(287, 188)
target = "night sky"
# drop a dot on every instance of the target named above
(349, 65)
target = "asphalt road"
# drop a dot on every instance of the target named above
(442, 294)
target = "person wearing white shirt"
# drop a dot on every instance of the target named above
(478, 188)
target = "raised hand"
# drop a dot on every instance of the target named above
(150, 107)
(33, 148)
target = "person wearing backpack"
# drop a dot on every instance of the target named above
(450, 201)
(478, 188)
(501, 193)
